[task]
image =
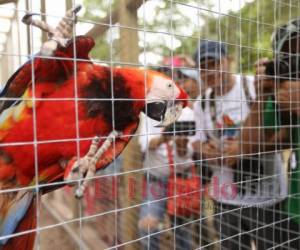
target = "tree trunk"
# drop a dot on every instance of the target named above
(129, 52)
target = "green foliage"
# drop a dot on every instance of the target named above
(95, 9)
(247, 31)
(168, 17)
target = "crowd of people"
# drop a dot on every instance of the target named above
(232, 138)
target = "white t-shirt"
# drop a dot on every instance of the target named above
(156, 161)
(257, 181)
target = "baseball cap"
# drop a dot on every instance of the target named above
(283, 37)
(191, 73)
(210, 49)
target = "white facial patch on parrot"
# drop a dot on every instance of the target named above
(165, 90)
(162, 89)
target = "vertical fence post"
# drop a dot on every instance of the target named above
(43, 11)
(129, 52)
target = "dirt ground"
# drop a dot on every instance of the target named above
(54, 238)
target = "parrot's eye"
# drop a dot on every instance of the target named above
(170, 85)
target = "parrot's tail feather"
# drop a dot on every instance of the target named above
(26, 240)
(17, 215)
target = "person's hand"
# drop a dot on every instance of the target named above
(154, 143)
(288, 97)
(231, 152)
(211, 150)
(263, 83)
(205, 149)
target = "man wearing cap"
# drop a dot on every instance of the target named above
(237, 187)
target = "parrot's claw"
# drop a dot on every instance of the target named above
(86, 166)
(58, 36)
(79, 192)
(81, 166)
(50, 46)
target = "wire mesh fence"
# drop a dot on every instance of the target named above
(148, 124)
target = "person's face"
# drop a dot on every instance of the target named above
(191, 88)
(213, 72)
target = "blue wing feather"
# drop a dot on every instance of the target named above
(14, 215)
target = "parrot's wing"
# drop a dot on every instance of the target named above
(55, 173)
(45, 69)
(84, 45)
(16, 85)
(109, 152)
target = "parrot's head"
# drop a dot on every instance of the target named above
(154, 94)
(164, 99)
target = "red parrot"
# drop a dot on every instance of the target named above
(53, 108)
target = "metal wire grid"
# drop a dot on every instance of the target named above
(112, 62)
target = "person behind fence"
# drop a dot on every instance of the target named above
(158, 147)
(205, 232)
(238, 187)
(278, 112)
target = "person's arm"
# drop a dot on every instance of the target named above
(204, 147)
(200, 137)
(155, 142)
(256, 138)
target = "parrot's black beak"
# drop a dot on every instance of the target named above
(165, 112)
(156, 110)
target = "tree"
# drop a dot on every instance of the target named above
(248, 31)
(174, 28)
(163, 22)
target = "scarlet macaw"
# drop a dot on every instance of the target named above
(47, 134)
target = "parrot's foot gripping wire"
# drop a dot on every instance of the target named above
(58, 36)
(86, 166)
